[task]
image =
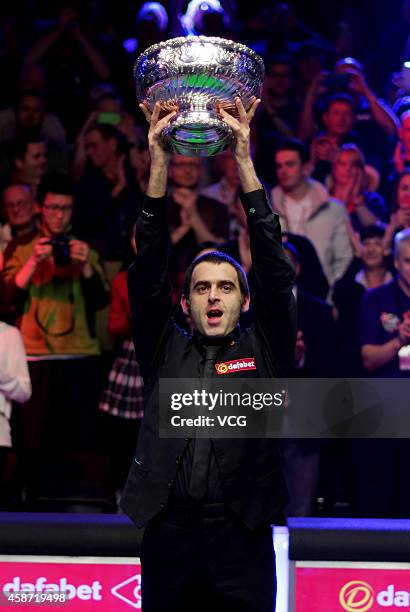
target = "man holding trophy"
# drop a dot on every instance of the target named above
(207, 505)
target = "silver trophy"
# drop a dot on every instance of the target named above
(192, 75)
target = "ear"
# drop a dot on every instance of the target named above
(245, 304)
(18, 163)
(185, 305)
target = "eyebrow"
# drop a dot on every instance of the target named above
(220, 282)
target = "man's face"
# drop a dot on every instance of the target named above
(403, 192)
(185, 171)
(99, 151)
(289, 169)
(373, 252)
(214, 303)
(338, 119)
(56, 213)
(34, 162)
(402, 263)
(30, 112)
(404, 132)
(18, 205)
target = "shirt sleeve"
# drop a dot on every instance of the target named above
(14, 376)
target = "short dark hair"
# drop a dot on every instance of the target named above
(54, 183)
(372, 231)
(20, 144)
(109, 132)
(293, 144)
(29, 93)
(217, 258)
(339, 97)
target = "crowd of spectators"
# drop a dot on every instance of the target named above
(332, 145)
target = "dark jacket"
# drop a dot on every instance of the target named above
(251, 478)
(315, 320)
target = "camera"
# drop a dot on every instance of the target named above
(61, 250)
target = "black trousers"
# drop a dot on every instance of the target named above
(206, 559)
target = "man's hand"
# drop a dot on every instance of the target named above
(241, 147)
(156, 126)
(42, 250)
(358, 83)
(80, 253)
(186, 199)
(323, 149)
(240, 128)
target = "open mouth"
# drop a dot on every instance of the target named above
(214, 316)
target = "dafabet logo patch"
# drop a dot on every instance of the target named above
(236, 365)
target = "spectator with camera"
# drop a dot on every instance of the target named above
(347, 78)
(57, 284)
(348, 111)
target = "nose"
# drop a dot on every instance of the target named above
(213, 295)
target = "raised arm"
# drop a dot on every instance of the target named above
(149, 285)
(273, 274)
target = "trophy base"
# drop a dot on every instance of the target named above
(197, 133)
